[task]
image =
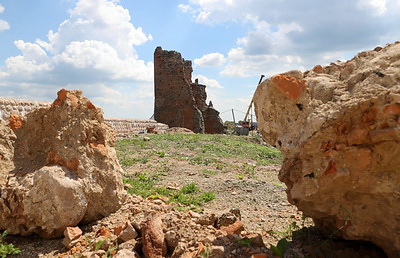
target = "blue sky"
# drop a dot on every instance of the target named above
(105, 47)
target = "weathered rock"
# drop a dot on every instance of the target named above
(127, 233)
(339, 130)
(130, 245)
(178, 101)
(228, 218)
(71, 235)
(7, 138)
(154, 244)
(103, 232)
(218, 252)
(66, 169)
(206, 219)
(172, 239)
(124, 253)
(179, 250)
(95, 254)
(234, 228)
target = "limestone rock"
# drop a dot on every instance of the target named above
(71, 235)
(7, 138)
(127, 233)
(218, 252)
(65, 169)
(338, 128)
(154, 244)
(124, 253)
(172, 239)
(228, 218)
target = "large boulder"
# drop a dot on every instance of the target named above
(338, 128)
(65, 170)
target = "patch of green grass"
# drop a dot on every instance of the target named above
(163, 169)
(209, 172)
(207, 196)
(202, 160)
(195, 200)
(190, 188)
(204, 145)
(144, 184)
(159, 153)
(130, 161)
(249, 169)
(190, 194)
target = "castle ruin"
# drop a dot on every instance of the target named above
(178, 101)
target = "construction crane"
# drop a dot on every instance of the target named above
(245, 126)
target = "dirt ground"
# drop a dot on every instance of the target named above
(237, 183)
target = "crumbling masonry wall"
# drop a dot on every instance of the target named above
(178, 101)
(122, 127)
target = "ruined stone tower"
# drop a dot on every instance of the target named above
(178, 101)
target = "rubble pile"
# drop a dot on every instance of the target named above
(153, 228)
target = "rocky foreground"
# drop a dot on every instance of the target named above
(341, 155)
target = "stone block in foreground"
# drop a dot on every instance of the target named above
(63, 168)
(338, 128)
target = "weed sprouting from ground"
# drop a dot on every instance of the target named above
(209, 172)
(7, 249)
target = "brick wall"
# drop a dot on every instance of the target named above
(122, 127)
(174, 102)
(18, 107)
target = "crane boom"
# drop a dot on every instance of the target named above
(251, 102)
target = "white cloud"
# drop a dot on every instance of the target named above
(211, 60)
(377, 7)
(242, 65)
(32, 62)
(280, 36)
(93, 50)
(185, 8)
(3, 24)
(99, 20)
(32, 52)
(208, 82)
